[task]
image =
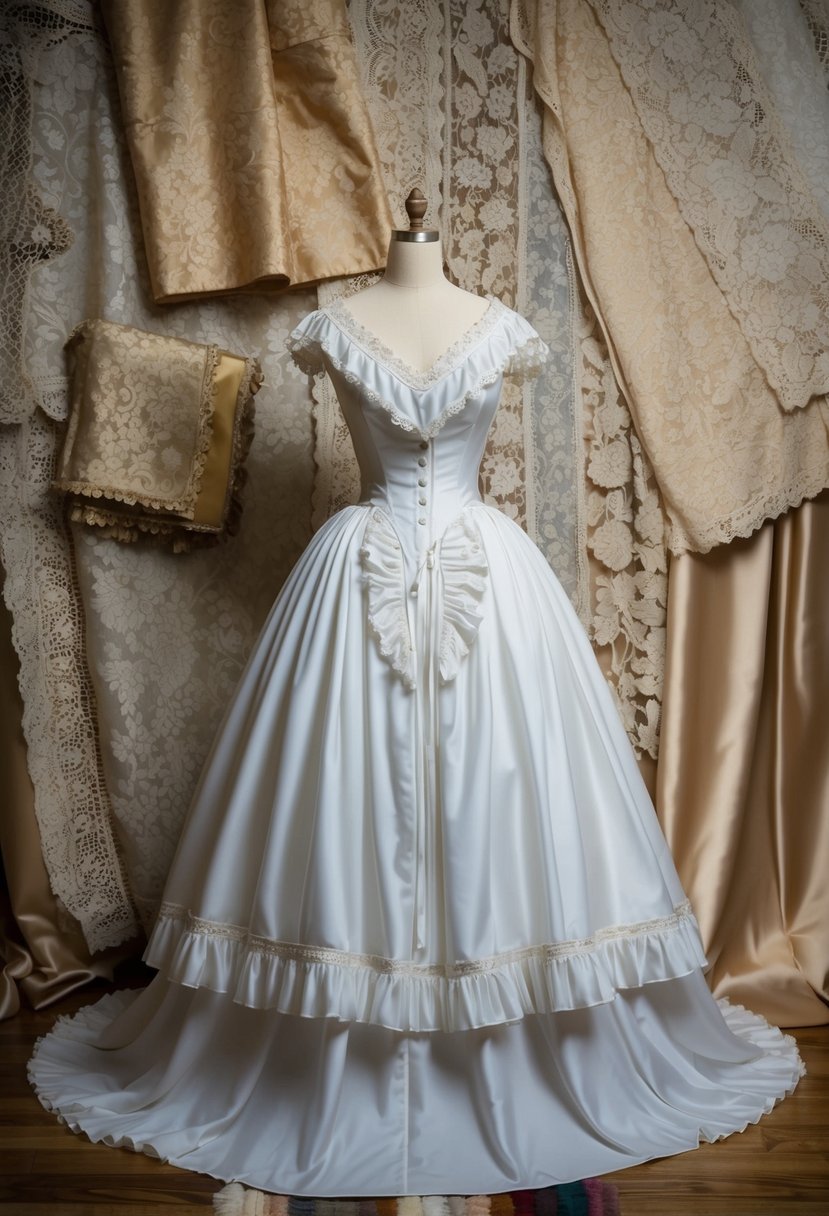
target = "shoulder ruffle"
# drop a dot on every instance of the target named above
(501, 343)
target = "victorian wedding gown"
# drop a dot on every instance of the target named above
(422, 933)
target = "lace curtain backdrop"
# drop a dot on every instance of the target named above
(150, 644)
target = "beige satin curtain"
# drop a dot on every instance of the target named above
(742, 783)
(42, 953)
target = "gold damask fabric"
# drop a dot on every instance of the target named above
(725, 454)
(253, 154)
(157, 435)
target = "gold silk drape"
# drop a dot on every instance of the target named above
(742, 783)
(250, 141)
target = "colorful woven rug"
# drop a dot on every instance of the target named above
(592, 1197)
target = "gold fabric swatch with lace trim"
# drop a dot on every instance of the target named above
(158, 432)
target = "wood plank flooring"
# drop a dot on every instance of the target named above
(779, 1167)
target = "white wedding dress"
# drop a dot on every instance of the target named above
(422, 933)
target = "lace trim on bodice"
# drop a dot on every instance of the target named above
(462, 567)
(500, 343)
(421, 380)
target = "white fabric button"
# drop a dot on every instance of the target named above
(424, 443)
(422, 502)
(421, 481)
(422, 520)
(421, 460)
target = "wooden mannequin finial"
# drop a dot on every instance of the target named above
(416, 205)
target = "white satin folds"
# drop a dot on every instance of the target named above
(422, 933)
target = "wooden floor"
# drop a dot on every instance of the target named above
(779, 1167)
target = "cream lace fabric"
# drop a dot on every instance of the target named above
(157, 432)
(715, 132)
(79, 845)
(725, 454)
(165, 639)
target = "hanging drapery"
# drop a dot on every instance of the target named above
(43, 952)
(725, 453)
(761, 920)
(250, 142)
(78, 845)
(127, 656)
(157, 435)
(743, 774)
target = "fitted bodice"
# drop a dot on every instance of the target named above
(421, 483)
(418, 436)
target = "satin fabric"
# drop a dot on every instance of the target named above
(422, 933)
(313, 1107)
(743, 773)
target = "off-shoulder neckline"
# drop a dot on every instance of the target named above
(451, 359)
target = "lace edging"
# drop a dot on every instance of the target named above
(306, 349)
(745, 522)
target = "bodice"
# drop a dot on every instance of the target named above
(419, 437)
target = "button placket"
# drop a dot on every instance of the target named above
(422, 481)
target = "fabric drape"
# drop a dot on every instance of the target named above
(250, 141)
(725, 454)
(743, 774)
(739, 782)
(42, 951)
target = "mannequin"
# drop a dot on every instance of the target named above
(414, 310)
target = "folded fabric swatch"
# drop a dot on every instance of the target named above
(158, 432)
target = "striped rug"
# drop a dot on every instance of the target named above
(592, 1197)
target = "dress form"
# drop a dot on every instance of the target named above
(414, 310)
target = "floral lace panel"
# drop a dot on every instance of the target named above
(716, 133)
(626, 531)
(725, 455)
(167, 639)
(32, 232)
